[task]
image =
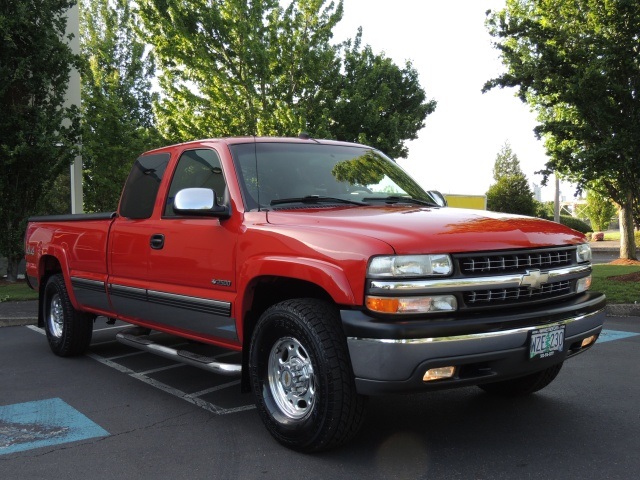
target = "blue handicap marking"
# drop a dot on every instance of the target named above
(42, 423)
(609, 335)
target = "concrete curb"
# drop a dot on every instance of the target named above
(17, 322)
(623, 310)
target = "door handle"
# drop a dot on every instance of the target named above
(157, 241)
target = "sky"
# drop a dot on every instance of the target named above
(449, 46)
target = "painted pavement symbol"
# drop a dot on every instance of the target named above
(609, 335)
(42, 423)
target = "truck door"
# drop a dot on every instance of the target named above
(191, 277)
(128, 256)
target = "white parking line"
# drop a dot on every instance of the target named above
(214, 389)
(162, 369)
(192, 398)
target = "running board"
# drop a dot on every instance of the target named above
(142, 342)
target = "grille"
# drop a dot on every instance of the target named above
(506, 295)
(515, 261)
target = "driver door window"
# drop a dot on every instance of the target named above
(196, 169)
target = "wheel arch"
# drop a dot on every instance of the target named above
(265, 291)
(47, 266)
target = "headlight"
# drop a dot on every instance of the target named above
(410, 266)
(583, 253)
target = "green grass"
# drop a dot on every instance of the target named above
(615, 236)
(616, 291)
(17, 291)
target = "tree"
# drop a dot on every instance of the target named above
(511, 193)
(600, 210)
(576, 65)
(276, 73)
(118, 122)
(378, 103)
(38, 134)
(221, 76)
(507, 163)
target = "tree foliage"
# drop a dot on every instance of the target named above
(118, 121)
(235, 68)
(577, 65)
(600, 210)
(511, 193)
(260, 68)
(507, 163)
(378, 103)
(38, 134)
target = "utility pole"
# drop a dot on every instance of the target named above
(556, 204)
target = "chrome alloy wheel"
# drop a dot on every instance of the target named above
(55, 319)
(291, 378)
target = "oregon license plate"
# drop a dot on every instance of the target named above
(546, 342)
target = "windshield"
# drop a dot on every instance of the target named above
(281, 173)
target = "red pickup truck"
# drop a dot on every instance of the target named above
(333, 273)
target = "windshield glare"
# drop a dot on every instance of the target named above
(281, 171)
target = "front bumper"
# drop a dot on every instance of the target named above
(392, 356)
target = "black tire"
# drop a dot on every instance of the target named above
(68, 330)
(302, 378)
(522, 386)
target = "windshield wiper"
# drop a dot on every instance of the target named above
(395, 199)
(315, 199)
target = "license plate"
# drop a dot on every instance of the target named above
(546, 342)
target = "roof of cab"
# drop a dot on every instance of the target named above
(249, 139)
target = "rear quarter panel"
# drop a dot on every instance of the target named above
(79, 248)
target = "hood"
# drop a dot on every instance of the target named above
(413, 230)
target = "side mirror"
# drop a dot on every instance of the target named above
(438, 198)
(200, 201)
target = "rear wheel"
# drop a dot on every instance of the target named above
(301, 376)
(68, 330)
(522, 386)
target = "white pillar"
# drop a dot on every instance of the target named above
(556, 201)
(73, 98)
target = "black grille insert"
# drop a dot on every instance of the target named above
(506, 295)
(496, 262)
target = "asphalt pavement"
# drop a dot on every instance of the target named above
(118, 413)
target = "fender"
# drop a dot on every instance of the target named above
(59, 253)
(326, 275)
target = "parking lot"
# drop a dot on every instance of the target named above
(121, 413)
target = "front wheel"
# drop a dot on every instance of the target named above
(522, 386)
(301, 376)
(68, 330)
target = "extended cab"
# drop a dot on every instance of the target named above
(333, 273)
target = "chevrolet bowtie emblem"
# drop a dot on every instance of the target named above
(534, 279)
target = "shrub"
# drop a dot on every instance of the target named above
(574, 223)
(511, 194)
(600, 210)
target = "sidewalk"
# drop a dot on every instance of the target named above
(608, 246)
(18, 313)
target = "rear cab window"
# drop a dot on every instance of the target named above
(141, 189)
